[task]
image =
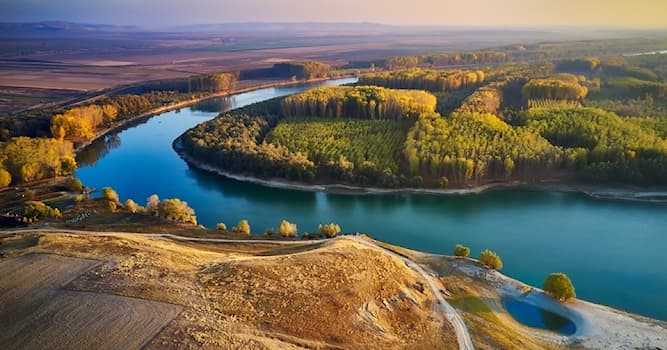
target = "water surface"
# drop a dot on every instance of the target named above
(612, 250)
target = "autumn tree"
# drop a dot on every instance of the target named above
(5, 178)
(461, 250)
(329, 230)
(287, 229)
(176, 210)
(110, 194)
(559, 286)
(491, 259)
(242, 227)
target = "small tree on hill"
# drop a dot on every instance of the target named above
(221, 226)
(461, 250)
(287, 229)
(329, 230)
(559, 286)
(110, 194)
(132, 206)
(242, 227)
(491, 259)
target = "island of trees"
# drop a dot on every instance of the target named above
(425, 128)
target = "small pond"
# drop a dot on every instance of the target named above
(533, 316)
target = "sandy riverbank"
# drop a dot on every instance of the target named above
(597, 326)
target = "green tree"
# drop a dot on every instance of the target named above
(461, 250)
(559, 286)
(242, 227)
(491, 259)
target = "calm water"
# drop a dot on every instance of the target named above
(535, 317)
(614, 251)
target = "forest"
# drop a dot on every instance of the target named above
(527, 122)
(424, 79)
(366, 102)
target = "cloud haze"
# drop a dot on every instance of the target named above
(590, 13)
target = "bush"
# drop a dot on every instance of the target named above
(75, 185)
(5, 178)
(221, 226)
(461, 250)
(559, 286)
(242, 227)
(329, 230)
(270, 232)
(80, 198)
(444, 182)
(287, 229)
(491, 259)
(112, 206)
(110, 194)
(35, 211)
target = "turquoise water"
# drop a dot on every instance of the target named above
(612, 250)
(535, 317)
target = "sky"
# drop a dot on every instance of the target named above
(507, 13)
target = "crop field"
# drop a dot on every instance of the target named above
(37, 313)
(377, 141)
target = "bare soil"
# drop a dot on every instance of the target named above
(37, 312)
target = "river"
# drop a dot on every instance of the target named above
(614, 251)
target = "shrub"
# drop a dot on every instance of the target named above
(559, 286)
(80, 198)
(110, 194)
(269, 232)
(75, 185)
(152, 204)
(491, 259)
(242, 227)
(221, 226)
(34, 211)
(5, 178)
(444, 182)
(461, 250)
(287, 229)
(329, 230)
(112, 206)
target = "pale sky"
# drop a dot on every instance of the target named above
(515, 13)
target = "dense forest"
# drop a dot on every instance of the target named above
(27, 159)
(424, 79)
(526, 122)
(367, 102)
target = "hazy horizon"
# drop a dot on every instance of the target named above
(640, 14)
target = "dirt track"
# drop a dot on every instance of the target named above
(37, 313)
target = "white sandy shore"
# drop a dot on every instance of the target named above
(597, 326)
(602, 192)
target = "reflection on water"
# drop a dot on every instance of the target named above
(98, 149)
(533, 316)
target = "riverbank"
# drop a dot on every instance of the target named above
(597, 326)
(163, 109)
(600, 192)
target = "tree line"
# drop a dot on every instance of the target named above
(366, 102)
(424, 79)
